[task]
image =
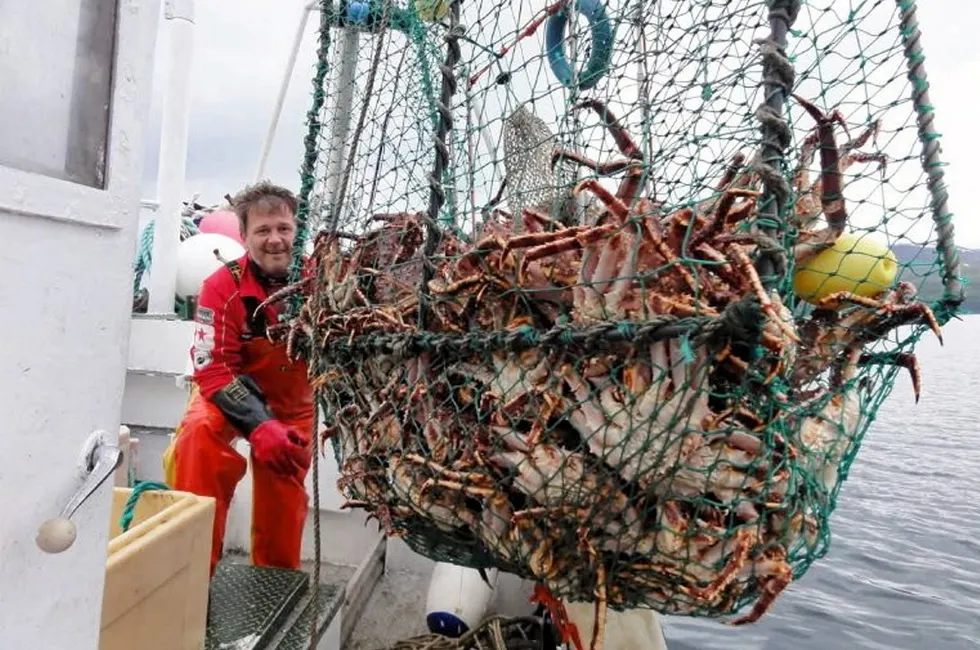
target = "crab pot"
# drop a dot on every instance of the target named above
(157, 572)
(603, 451)
(581, 358)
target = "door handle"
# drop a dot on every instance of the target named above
(99, 461)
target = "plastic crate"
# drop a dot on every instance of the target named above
(157, 573)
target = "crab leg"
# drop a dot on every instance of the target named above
(474, 490)
(731, 172)
(731, 178)
(535, 220)
(285, 292)
(601, 594)
(582, 238)
(720, 270)
(831, 179)
(651, 229)
(630, 186)
(298, 325)
(661, 304)
(475, 280)
(809, 146)
(737, 550)
(860, 157)
(776, 574)
(807, 208)
(530, 240)
(903, 360)
(836, 299)
(602, 169)
(563, 241)
(616, 206)
(722, 211)
(742, 259)
(449, 474)
(623, 140)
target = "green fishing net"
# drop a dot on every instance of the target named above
(605, 294)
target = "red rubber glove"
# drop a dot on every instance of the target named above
(280, 447)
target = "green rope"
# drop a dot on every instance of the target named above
(129, 509)
(312, 142)
(954, 293)
(144, 255)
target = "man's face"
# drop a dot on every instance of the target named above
(269, 240)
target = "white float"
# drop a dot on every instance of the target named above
(458, 599)
(196, 260)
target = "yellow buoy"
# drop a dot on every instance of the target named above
(856, 263)
(432, 10)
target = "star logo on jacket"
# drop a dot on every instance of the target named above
(203, 341)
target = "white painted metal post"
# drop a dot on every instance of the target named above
(179, 15)
(346, 62)
(283, 88)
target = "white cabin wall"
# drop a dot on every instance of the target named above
(68, 198)
(153, 401)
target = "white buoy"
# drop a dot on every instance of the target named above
(196, 259)
(458, 599)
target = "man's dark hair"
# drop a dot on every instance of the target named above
(264, 196)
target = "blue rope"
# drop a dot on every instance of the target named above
(141, 486)
(603, 37)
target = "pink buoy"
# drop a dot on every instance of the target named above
(222, 222)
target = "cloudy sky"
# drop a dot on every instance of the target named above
(241, 55)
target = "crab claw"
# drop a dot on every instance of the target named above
(933, 323)
(906, 290)
(615, 206)
(909, 362)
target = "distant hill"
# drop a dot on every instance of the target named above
(921, 261)
(909, 252)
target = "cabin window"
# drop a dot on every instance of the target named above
(56, 68)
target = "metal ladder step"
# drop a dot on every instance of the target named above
(257, 608)
(297, 636)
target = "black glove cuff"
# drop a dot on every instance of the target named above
(243, 403)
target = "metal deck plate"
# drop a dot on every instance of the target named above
(248, 605)
(331, 597)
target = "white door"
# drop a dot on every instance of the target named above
(75, 83)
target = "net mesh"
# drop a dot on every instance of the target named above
(606, 296)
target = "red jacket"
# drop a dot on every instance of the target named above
(229, 342)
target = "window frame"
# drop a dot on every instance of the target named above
(35, 194)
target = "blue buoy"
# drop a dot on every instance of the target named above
(446, 624)
(602, 41)
(358, 12)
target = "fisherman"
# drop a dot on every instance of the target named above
(244, 385)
